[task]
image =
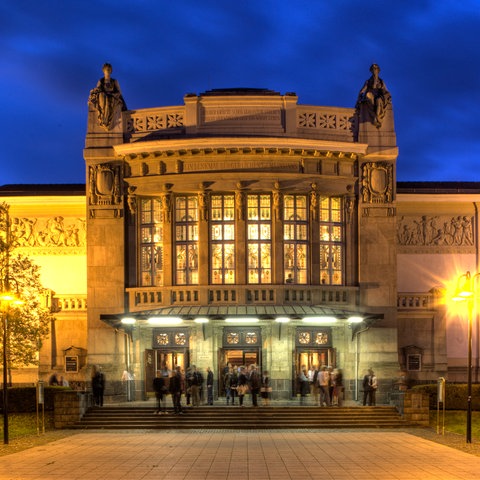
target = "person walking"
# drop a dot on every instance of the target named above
(254, 383)
(338, 388)
(160, 393)
(242, 386)
(265, 389)
(176, 383)
(324, 384)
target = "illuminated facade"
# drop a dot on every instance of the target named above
(243, 227)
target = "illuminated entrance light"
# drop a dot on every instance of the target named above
(128, 321)
(242, 320)
(282, 320)
(164, 320)
(319, 319)
(355, 319)
(201, 320)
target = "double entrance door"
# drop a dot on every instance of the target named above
(160, 359)
(237, 358)
(311, 357)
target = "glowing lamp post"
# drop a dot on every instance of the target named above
(465, 292)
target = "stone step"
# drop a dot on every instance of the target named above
(246, 417)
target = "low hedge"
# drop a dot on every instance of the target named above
(455, 395)
(24, 399)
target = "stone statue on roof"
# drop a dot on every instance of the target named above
(375, 97)
(106, 98)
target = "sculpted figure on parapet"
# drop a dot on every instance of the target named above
(375, 96)
(106, 98)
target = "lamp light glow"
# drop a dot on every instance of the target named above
(355, 319)
(128, 321)
(164, 321)
(201, 320)
(282, 319)
(242, 320)
(325, 319)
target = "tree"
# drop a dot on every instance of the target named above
(28, 323)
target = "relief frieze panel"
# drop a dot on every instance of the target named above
(427, 233)
(49, 235)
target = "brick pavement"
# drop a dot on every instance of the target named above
(241, 455)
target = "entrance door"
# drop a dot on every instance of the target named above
(318, 357)
(238, 358)
(160, 359)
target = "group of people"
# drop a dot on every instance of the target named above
(177, 383)
(324, 384)
(238, 381)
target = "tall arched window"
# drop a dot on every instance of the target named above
(331, 241)
(295, 238)
(151, 242)
(259, 238)
(222, 239)
(186, 240)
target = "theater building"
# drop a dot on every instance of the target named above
(244, 227)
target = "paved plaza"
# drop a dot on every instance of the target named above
(241, 455)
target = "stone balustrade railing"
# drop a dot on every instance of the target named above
(416, 300)
(142, 298)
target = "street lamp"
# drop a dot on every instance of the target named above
(465, 292)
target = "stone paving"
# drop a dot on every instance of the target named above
(241, 455)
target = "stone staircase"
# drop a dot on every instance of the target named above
(234, 417)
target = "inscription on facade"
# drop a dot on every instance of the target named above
(229, 114)
(241, 165)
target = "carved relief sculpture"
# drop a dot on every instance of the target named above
(436, 231)
(240, 204)
(375, 97)
(104, 184)
(48, 232)
(203, 204)
(106, 98)
(314, 201)
(166, 199)
(132, 200)
(377, 182)
(277, 201)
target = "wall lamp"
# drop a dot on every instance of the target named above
(164, 321)
(128, 321)
(319, 320)
(242, 320)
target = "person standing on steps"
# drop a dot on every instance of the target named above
(370, 386)
(98, 385)
(209, 386)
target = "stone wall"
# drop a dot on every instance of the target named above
(69, 407)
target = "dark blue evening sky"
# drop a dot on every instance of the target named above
(52, 52)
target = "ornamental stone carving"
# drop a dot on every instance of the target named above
(104, 185)
(48, 232)
(377, 182)
(435, 231)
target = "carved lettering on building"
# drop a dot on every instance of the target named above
(241, 165)
(240, 114)
(435, 231)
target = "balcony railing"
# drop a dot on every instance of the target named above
(145, 298)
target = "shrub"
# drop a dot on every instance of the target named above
(455, 395)
(24, 399)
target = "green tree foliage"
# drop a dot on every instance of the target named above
(28, 323)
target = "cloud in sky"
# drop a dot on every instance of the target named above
(52, 53)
